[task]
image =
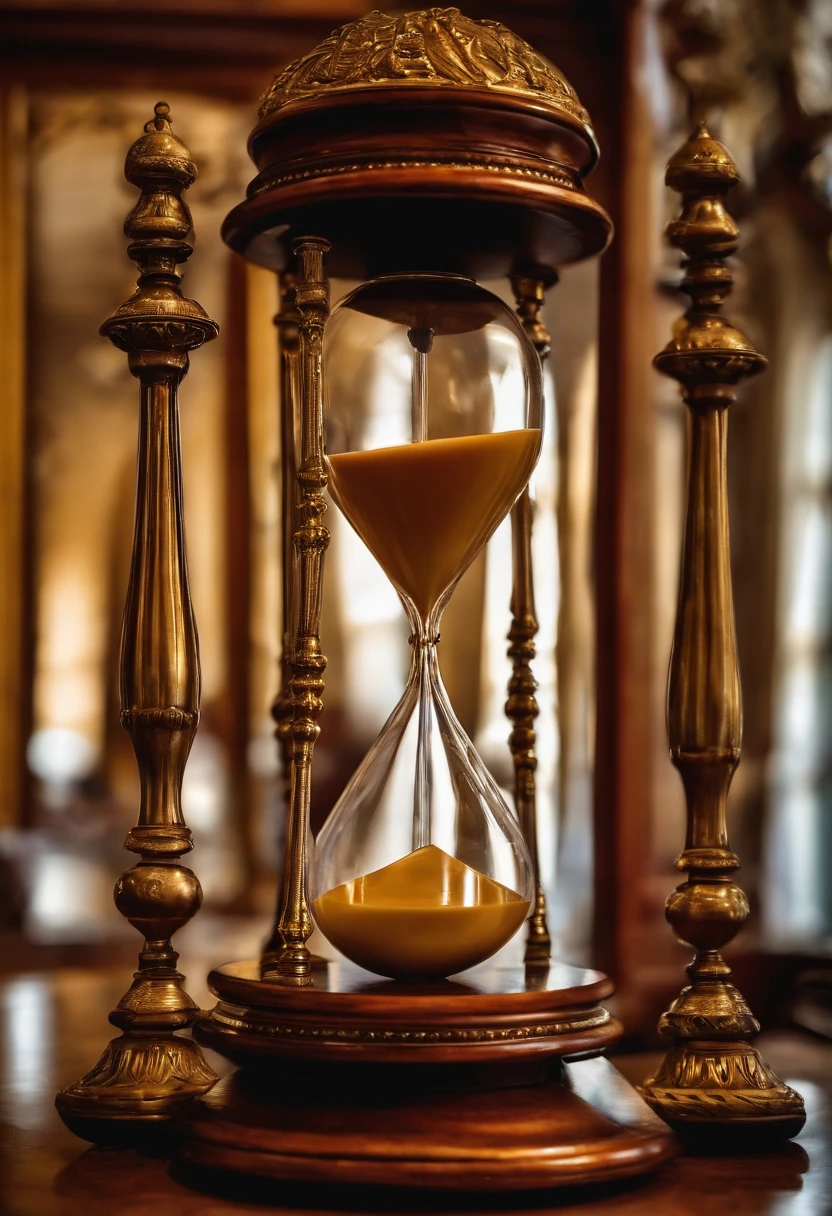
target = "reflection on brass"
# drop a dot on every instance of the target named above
(307, 664)
(148, 1073)
(456, 160)
(711, 1074)
(522, 707)
(428, 47)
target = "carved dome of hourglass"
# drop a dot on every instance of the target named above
(397, 130)
(435, 46)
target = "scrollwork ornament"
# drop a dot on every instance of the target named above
(435, 46)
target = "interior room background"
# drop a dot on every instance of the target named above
(77, 83)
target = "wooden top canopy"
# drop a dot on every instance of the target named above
(427, 141)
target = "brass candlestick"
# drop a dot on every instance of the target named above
(522, 708)
(711, 1075)
(148, 1073)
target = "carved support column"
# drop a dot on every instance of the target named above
(148, 1073)
(306, 662)
(286, 323)
(521, 707)
(711, 1075)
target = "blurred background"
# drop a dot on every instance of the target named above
(79, 80)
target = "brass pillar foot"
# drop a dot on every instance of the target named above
(538, 942)
(140, 1084)
(721, 1087)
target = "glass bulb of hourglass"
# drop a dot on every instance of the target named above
(433, 429)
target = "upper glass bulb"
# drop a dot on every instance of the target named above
(433, 404)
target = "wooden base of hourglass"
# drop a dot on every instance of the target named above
(492, 1080)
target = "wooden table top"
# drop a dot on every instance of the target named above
(53, 1027)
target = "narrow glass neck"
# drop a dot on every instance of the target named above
(424, 632)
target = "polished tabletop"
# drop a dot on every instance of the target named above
(53, 1027)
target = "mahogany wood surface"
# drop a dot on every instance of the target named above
(588, 1124)
(53, 1025)
(395, 176)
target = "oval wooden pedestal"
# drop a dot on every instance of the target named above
(490, 1081)
(586, 1126)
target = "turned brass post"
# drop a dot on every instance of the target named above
(286, 323)
(711, 1075)
(149, 1072)
(306, 662)
(521, 706)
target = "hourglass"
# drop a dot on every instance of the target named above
(421, 868)
(423, 155)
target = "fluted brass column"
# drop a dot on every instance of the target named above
(147, 1074)
(711, 1076)
(286, 323)
(521, 707)
(307, 664)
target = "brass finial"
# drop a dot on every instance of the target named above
(146, 1075)
(711, 1077)
(706, 352)
(161, 166)
(159, 154)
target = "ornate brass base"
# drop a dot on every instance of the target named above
(138, 1086)
(724, 1087)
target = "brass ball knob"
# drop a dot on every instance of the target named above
(158, 899)
(706, 915)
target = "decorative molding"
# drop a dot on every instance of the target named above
(706, 1026)
(233, 1018)
(721, 1105)
(171, 718)
(495, 164)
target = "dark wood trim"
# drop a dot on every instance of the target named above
(624, 525)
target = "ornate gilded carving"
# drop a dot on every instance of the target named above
(150, 1073)
(435, 46)
(711, 1074)
(696, 1084)
(235, 1018)
(155, 1067)
(495, 164)
(521, 707)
